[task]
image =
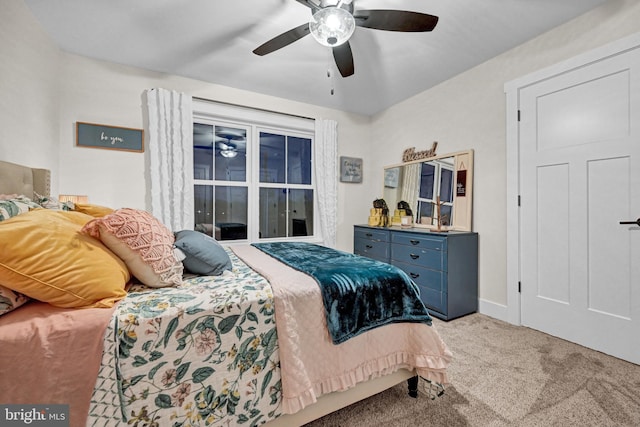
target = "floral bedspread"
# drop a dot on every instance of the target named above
(201, 354)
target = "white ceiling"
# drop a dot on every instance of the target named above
(213, 40)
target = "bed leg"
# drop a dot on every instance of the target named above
(413, 386)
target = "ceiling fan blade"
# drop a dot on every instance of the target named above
(344, 59)
(313, 7)
(283, 40)
(395, 20)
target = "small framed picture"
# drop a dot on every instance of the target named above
(350, 169)
(391, 177)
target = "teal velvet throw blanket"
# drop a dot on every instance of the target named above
(358, 293)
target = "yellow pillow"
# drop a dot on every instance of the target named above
(44, 256)
(95, 211)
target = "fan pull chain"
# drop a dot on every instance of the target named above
(330, 74)
(332, 91)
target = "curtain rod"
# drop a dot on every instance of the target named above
(197, 98)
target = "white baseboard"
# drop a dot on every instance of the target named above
(492, 309)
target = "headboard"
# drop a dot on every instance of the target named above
(18, 179)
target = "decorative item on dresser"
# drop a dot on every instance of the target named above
(443, 265)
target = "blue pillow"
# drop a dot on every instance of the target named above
(204, 255)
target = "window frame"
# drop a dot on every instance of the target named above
(437, 183)
(256, 121)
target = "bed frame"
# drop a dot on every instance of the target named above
(27, 181)
(17, 179)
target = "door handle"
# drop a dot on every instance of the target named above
(636, 222)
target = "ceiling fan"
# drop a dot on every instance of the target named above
(227, 141)
(333, 22)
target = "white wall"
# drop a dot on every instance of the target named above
(28, 89)
(468, 111)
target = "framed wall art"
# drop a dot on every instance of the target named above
(109, 137)
(350, 169)
(391, 177)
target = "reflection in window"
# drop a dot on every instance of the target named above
(436, 178)
(231, 188)
(202, 151)
(286, 210)
(301, 208)
(272, 157)
(220, 157)
(229, 220)
(273, 208)
(231, 154)
(298, 160)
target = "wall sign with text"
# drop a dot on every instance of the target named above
(109, 137)
(350, 169)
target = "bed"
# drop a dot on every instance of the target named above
(250, 345)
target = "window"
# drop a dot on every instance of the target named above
(436, 181)
(286, 193)
(253, 174)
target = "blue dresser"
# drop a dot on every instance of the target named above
(443, 265)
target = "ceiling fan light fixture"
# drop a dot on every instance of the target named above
(332, 26)
(228, 153)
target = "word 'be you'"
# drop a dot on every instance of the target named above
(112, 139)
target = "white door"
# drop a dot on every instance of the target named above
(580, 177)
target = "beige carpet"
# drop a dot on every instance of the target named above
(504, 375)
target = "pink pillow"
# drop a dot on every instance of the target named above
(142, 242)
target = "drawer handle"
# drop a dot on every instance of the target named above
(369, 246)
(414, 256)
(414, 275)
(414, 242)
(368, 234)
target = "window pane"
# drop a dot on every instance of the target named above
(231, 154)
(446, 185)
(426, 181)
(301, 207)
(273, 212)
(231, 213)
(425, 209)
(299, 160)
(202, 151)
(445, 214)
(272, 158)
(203, 208)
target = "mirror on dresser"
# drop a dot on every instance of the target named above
(447, 178)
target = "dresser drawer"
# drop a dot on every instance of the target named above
(427, 258)
(423, 277)
(371, 234)
(372, 249)
(435, 243)
(434, 300)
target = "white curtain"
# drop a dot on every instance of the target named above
(170, 130)
(411, 185)
(326, 165)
